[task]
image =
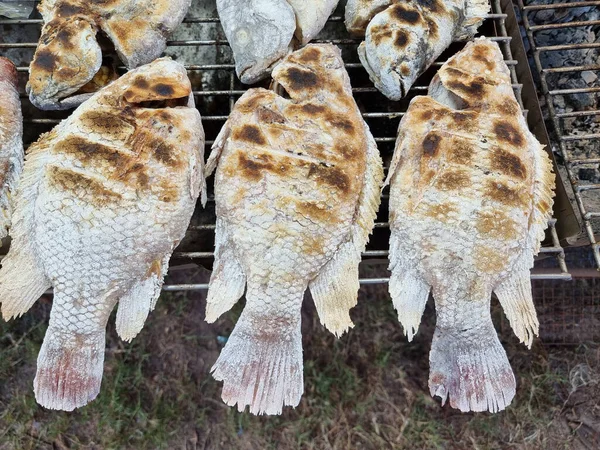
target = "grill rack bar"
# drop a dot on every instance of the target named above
(554, 250)
(555, 117)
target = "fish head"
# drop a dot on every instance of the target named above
(162, 83)
(314, 70)
(66, 59)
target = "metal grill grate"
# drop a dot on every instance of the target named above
(216, 89)
(569, 139)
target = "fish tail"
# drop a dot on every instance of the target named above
(69, 369)
(261, 364)
(470, 367)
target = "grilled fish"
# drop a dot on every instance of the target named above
(68, 55)
(297, 190)
(104, 199)
(11, 141)
(261, 32)
(470, 197)
(403, 38)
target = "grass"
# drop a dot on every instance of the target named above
(365, 390)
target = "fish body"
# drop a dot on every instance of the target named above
(403, 38)
(11, 141)
(296, 190)
(104, 199)
(68, 56)
(470, 197)
(262, 32)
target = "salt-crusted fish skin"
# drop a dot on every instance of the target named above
(297, 188)
(403, 39)
(470, 197)
(68, 55)
(11, 141)
(104, 199)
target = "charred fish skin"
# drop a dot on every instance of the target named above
(11, 141)
(68, 55)
(403, 38)
(297, 189)
(470, 197)
(261, 32)
(104, 199)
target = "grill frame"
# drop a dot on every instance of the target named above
(549, 94)
(495, 20)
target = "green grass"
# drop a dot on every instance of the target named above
(366, 390)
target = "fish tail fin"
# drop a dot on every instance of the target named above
(470, 368)
(69, 369)
(22, 282)
(515, 297)
(261, 364)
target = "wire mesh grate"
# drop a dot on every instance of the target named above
(563, 62)
(200, 45)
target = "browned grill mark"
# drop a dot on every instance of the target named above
(480, 53)
(332, 176)
(67, 10)
(474, 88)
(380, 33)
(506, 132)
(249, 133)
(140, 82)
(87, 151)
(453, 180)
(431, 144)
(504, 194)
(311, 54)
(65, 36)
(45, 60)
(507, 163)
(163, 90)
(401, 39)
(250, 103)
(108, 124)
(84, 187)
(496, 225)
(310, 108)
(432, 5)
(314, 211)
(269, 116)
(165, 153)
(425, 115)
(461, 152)
(254, 168)
(168, 192)
(489, 260)
(301, 79)
(342, 123)
(508, 107)
(440, 211)
(405, 69)
(402, 14)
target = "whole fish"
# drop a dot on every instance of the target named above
(297, 189)
(261, 32)
(68, 57)
(104, 199)
(11, 141)
(404, 37)
(470, 197)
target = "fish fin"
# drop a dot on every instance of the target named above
(217, 149)
(261, 363)
(227, 281)
(136, 304)
(22, 282)
(407, 288)
(335, 289)
(515, 297)
(69, 369)
(22, 279)
(471, 369)
(261, 370)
